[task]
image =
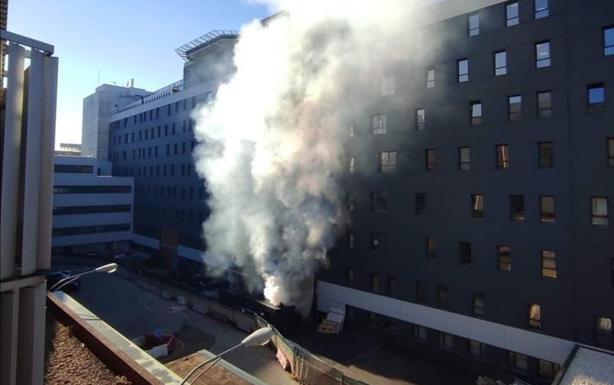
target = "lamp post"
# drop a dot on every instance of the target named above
(259, 337)
(108, 268)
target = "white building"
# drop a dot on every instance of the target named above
(92, 210)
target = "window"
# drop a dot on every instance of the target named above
(514, 108)
(475, 109)
(535, 316)
(505, 258)
(503, 156)
(350, 201)
(542, 54)
(430, 79)
(500, 63)
(350, 277)
(431, 248)
(351, 166)
(544, 105)
(547, 369)
(463, 70)
(478, 304)
(599, 207)
(541, 9)
(476, 348)
(545, 152)
(464, 158)
(446, 340)
(420, 332)
(610, 150)
(379, 202)
(596, 96)
(517, 213)
(420, 292)
(442, 296)
(512, 14)
(429, 159)
(388, 161)
(477, 205)
(374, 283)
(420, 203)
(549, 264)
(465, 252)
(603, 331)
(608, 41)
(351, 130)
(374, 241)
(387, 86)
(380, 124)
(73, 169)
(517, 361)
(420, 119)
(351, 240)
(546, 209)
(473, 25)
(392, 285)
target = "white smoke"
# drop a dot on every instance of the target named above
(272, 146)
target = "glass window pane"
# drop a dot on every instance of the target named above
(541, 9)
(542, 54)
(500, 63)
(511, 11)
(608, 41)
(596, 95)
(463, 70)
(430, 79)
(474, 25)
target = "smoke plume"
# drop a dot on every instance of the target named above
(272, 145)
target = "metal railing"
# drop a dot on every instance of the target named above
(156, 95)
(204, 40)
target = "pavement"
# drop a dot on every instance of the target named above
(134, 311)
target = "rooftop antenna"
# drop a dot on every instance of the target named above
(98, 79)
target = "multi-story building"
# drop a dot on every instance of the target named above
(482, 212)
(72, 149)
(92, 210)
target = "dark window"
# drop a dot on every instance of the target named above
(500, 59)
(75, 210)
(392, 285)
(545, 154)
(517, 213)
(73, 169)
(379, 124)
(610, 151)
(420, 332)
(542, 9)
(463, 70)
(374, 283)
(477, 205)
(478, 304)
(608, 41)
(518, 361)
(547, 369)
(503, 156)
(476, 348)
(76, 189)
(350, 277)
(475, 112)
(420, 203)
(379, 202)
(442, 296)
(430, 159)
(420, 292)
(603, 331)
(465, 252)
(512, 14)
(431, 248)
(504, 256)
(420, 119)
(599, 211)
(514, 108)
(546, 209)
(544, 104)
(374, 241)
(473, 25)
(79, 230)
(542, 54)
(388, 161)
(548, 258)
(535, 316)
(464, 158)
(446, 340)
(596, 96)
(430, 78)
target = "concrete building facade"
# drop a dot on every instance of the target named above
(92, 210)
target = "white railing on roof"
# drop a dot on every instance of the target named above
(206, 39)
(156, 95)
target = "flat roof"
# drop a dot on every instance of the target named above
(589, 367)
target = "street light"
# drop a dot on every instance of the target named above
(259, 337)
(108, 268)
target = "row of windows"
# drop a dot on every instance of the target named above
(180, 148)
(73, 168)
(155, 113)
(172, 192)
(517, 213)
(387, 160)
(77, 189)
(73, 210)
(81, 230)
(153, 132)
(512, 15)
(166, 213)
(534, 313)
(183, 169)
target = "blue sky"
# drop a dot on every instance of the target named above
(119, 40)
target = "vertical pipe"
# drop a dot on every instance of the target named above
(10, 160)
(34, 127)
(8, 332)
(46, 164)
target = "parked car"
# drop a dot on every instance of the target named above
(56, 276)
